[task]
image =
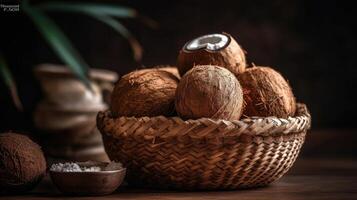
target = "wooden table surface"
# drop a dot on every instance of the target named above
(313, 178)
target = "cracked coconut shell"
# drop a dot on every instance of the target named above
(231, 56)
(148, 92)
(209, 91)
(266, 93)
(22, 163)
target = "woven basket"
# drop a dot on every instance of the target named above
(167, 152)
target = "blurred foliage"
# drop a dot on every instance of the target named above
(62, 46)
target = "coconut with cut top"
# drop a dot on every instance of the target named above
(213, 49)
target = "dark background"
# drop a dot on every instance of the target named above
(312, 43)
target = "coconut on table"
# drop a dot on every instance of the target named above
(22, 163)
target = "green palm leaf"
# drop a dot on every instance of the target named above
(103, 13)
(97, 9)
(93, 8)
(59, 42)
(10, 83)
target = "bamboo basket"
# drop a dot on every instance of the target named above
(168, 152)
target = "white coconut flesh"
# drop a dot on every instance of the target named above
(212, 42)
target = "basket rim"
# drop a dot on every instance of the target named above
(265, 126)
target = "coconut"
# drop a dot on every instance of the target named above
(148, 92)
(213, 49)
(209, 91)
(266, 93)
(22, 163)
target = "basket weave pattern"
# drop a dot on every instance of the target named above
(204, 154)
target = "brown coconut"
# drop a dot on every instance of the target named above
(148, 92)
(230, 55)
(209, 91)
(266, 93)
(22, 163)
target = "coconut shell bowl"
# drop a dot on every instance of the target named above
(168, 152)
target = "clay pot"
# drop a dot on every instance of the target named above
(66, 116)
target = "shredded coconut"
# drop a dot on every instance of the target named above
(73, 167)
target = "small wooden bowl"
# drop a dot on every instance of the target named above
(88, 183)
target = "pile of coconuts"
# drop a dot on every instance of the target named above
(211, 80)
